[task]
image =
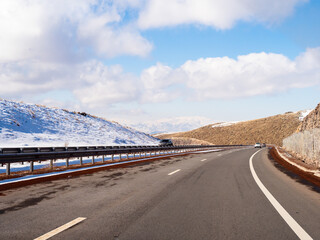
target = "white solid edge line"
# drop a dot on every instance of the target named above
(174, 172)
(203, 160)
(299, 231)
(60, 229)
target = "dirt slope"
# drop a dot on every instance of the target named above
(271, 130)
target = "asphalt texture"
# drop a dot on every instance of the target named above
(216, 198)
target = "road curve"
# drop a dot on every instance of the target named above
(203, 196)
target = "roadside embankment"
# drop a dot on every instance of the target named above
(308, 172)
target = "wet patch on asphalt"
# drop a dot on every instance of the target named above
(27, 203)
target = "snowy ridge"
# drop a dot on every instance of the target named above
(24, 124)
(172, 125)
(224, 124)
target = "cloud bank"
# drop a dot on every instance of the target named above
(66, 30)
(248, 75)
(220, 14)
(96, 85)
(61, 45)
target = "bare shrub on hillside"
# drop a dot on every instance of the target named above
(305, 144)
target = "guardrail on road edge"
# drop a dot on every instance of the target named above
(34, 154)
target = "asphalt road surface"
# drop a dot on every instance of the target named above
(201, 196)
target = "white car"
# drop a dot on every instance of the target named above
(257, 145)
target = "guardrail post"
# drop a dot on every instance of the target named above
(51, 163)
(31, 166)
(112, 157)
(92, 159)
(8, 168)
(102, 158)
(81, 161)
(127, 155)
(67, 162)
(120, 156)
(139, 154)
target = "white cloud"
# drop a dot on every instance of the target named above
(156, 82)
(100, 85)
(95, 85)
(221, 14)
(32, 77)
(92, 83)
(248, 75)
(64, 30)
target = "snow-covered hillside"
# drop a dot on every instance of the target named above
(33, 125)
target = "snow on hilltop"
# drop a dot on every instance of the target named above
(24, 124)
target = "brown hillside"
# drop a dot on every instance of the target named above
(312, 120)
(271, 130)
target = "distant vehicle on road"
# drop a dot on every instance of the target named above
(264, 145)
(257, 145)
(166, 142)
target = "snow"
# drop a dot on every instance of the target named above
(304, 113)
(224, 124)
(172, 125)
(24, 124)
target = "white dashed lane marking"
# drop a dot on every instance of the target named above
(174, 172)
(60, 229)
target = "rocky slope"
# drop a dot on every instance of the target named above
(312, 120)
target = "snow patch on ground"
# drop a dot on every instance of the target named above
(304, 113)
(224, 124)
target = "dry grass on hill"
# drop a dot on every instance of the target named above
(271, 130)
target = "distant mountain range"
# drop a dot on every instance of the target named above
(24, 124)
(171, 125)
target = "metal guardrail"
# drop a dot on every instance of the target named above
(35, 154)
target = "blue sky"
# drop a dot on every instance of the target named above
(137, 61)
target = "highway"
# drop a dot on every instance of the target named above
(199, 196)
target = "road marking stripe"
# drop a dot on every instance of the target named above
(299, 231)
(203, 160)
(60, 229)
(174, 172)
